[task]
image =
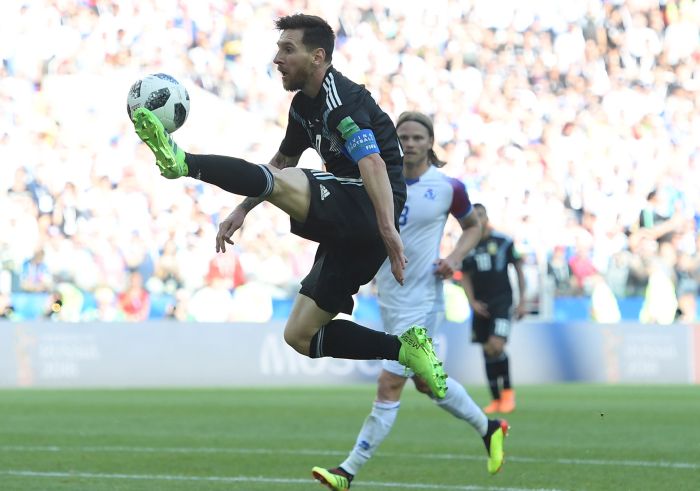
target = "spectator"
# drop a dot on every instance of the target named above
(135, 301)
(688, 286)
(106, 308)
(35, 276)
(604, 307)
(660, 302)
(582, 269)
(212, 293)
(560, 273)
(7, 311)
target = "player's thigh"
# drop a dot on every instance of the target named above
(340, 212)
(502, 313)
(396, 321)
(501, 326)
(432, 323)
(482, 328)
(339, 271)
(291, 192)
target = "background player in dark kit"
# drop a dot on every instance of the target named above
(487, 286)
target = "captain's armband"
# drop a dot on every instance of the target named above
(361, 144)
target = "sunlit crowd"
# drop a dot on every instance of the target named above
(575, 122)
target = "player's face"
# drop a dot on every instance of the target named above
(293, 61)
(416, 143)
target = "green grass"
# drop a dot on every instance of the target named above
(565, 437)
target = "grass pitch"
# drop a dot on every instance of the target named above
(564, 437)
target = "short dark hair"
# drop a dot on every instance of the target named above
(317, 32)
(424, 120)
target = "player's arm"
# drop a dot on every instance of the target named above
(281, 161)
(361, 147)
(516, 259)
(293, 145)
(461, 208)
(376, 181)
(478, 307)
(236, 218)
(468, 239)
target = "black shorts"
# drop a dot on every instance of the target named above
(499, 324)
(342, 220)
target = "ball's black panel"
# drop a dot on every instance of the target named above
(165, 76)
(180, 114)
(157, 98)
(135, 91)
(128, 110)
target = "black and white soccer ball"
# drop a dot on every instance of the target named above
(164, 96)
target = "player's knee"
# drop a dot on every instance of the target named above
(299, 343)
(389, 386)
(494, 352)
(494, 347)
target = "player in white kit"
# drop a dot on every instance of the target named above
(432, 196)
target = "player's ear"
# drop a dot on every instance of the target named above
(319, 56)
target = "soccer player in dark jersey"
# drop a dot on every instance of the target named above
(487, 286)
(351, 210)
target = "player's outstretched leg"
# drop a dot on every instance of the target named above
(417, 353)
(334, 479)
(495, 436)
(170, 158)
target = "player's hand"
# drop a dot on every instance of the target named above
(227, 228)
(480, 309)
(445, 268)
(520, 311)
(394, 248)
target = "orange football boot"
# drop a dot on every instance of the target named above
(507, 401)
(494, 407)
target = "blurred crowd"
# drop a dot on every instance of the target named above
(575, 122)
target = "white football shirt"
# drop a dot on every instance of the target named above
(430, 198)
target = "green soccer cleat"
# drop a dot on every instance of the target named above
(333, 479)
(170, 158)
(417, 353)
(498, 429)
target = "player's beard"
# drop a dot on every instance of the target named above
(296, 81)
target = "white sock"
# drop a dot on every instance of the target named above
(458, 403)
(374, 430)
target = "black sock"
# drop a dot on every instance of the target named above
(234, 175)
(504, 367)
(344, 339)
(493, 374)
(493, 425)
(342, 472)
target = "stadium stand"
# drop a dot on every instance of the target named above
(576, 123)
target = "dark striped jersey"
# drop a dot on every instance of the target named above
(326, 123)
(487, 265)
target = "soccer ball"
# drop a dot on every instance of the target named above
(162, 94)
